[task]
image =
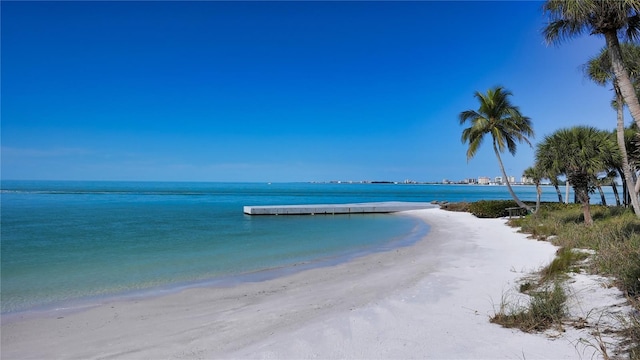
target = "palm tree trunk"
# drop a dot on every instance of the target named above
(586, 207)
(625, 197)
(581, 191)
(603, 200)
(506, 178)
(558, 192)
(622, 76)
(538, 195)
(635, 181)
(628, 176)
(614, 186)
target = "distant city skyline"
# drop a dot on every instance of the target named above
(276, 91)
(480, 180)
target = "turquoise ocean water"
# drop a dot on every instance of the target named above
(74, 243)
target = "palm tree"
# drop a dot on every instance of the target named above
(599, 69)
(580, 153)
(571, 18)
(503, 121)
(535, 173)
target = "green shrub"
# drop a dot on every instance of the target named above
(456, 206)
(491, 208)
(556, 206)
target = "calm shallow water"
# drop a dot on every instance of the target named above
(67, 241)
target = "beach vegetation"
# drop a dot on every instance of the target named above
(491, 208)
(550, 227)
(461, 206)
(546, 309)
(612, 245)
(631, 331)
(581, 153)
(527, 286)
(498, 118)
(614, 238)
(566, 260)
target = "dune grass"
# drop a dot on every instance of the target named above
(632, 331)
(566, 260)
(546, 309)
(614, 240)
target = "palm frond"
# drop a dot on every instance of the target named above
(474, 145)
(633, 27)
(468, 115)
(511, 145)
(496, 117)
(599, 68)
(568, 19)
(572, 18)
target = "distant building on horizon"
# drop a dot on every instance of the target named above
(483, 180)
(527, 180)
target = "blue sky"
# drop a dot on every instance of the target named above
(276, 91)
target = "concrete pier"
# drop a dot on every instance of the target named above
(332, 209)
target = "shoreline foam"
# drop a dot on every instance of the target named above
(429, 300)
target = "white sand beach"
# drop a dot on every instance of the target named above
(429, 300)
